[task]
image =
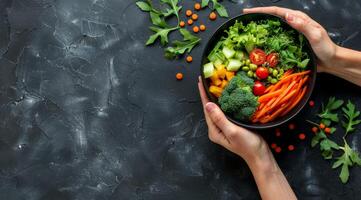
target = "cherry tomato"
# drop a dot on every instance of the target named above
(258, 88)
(257, 56)
(262, 72)
(272, 59)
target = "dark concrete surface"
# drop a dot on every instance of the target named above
(88, 112)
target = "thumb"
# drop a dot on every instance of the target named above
(218, 118)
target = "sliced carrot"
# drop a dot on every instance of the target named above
(288, 96)
(276, 113)
(284, 93)
(268, 96)
(296, 101)
(269, 88)
(294, 75)
(262, 105)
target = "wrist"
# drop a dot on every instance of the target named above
(262, 160)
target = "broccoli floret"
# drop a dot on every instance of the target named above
(237, 98)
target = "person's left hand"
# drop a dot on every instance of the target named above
(250, 146)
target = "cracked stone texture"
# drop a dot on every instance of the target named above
(88, 112)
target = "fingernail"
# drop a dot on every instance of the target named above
(210, 106)
(290, 17)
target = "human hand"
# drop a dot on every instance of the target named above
(250, 146)
(324, 48)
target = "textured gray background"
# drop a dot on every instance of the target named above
(88, 112)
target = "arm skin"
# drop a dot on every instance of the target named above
(269, 178)
(347, 65)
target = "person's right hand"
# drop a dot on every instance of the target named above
(322, 45)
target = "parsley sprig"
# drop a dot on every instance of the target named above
(162, 29)
(222, 11)
(329, 115)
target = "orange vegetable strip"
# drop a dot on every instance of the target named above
(284, 93)
(268, 96)
(294, 75)
(296, 101)
(269, 88)
(289, 96)
(261, 106)
(270, 102)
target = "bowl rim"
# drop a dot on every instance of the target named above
(220, 29)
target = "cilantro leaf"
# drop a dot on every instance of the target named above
(159, 33)
(205, 3)
(317, 138)
(144, 6)
(180, 47)
(222, 11)
(351, 116)
(331, 105)
(348, 159)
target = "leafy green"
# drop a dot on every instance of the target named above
(162, 30)
(159, 33)
(329, 115)
(351, 116)
(327, 111)
(180, 47)
(215, 6)
(348, 159)
(268, 35)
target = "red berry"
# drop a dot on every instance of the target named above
(311, 103)
(302, 136)
(278, 150)
(291, 147)
(292, 126)
(273, 145)
(278, 132)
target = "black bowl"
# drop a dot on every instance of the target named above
(246, 18)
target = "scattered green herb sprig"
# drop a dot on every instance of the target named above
(222, 11)
(162, 29)
(328, 116)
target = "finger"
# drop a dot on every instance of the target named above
(296, 19)
(204, 99)
(306, 26)
(281, 12)
(219, 119)
(202, 92)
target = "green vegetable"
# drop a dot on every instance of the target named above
(240, 55)
(351, 116)
(329, 115)
(228, 52)
(250, 74)
(246, 69)
(253, 67)
(271, 36)
(237, 98)
(161, 29)
(208, 70)
(180, 47)
(216, 6)
(234, 65)
(348, 159)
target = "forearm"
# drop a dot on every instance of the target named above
(271, 182)
(346, 64)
